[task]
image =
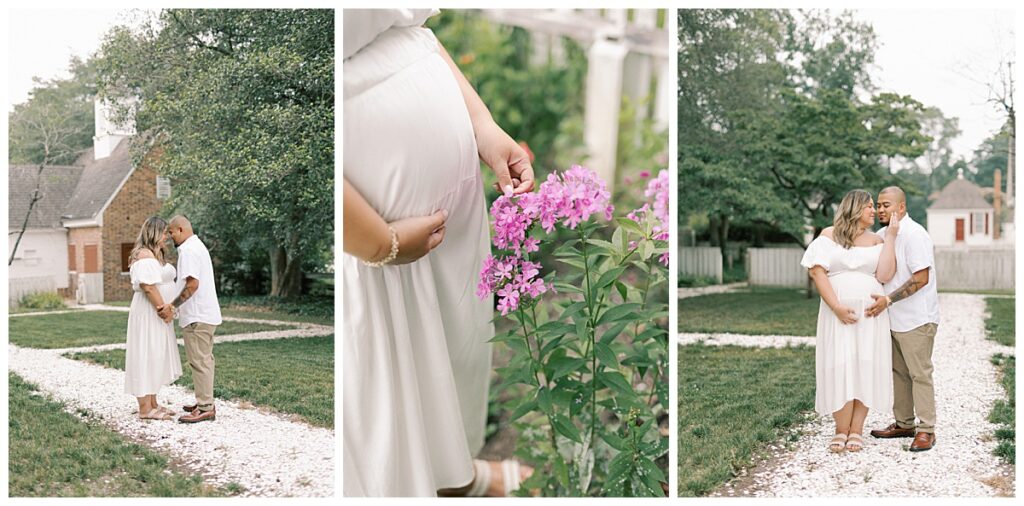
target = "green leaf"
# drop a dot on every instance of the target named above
(571, 310)
(544, 400)
(610, 276)
(574, 262)
(614, 331)
(616, 312)
(615, 441)
(564, 427)
(523, 409)
(618, 383)
(605, 355)
(563, 366)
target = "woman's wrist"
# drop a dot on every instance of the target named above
(386, 252)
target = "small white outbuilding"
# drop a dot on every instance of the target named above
(960, 215)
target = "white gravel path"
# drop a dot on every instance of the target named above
(266, 453)
(960, 465)
(685, 293)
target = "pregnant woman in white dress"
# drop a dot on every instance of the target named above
(416, 357)
(853, 355)
(151, 355)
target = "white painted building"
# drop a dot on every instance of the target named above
(961, 216)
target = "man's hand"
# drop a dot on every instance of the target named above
(881, 303)
(509, 161)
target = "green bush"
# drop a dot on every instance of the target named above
(42, 300)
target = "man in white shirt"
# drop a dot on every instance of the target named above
(198, 315)
(913, 303)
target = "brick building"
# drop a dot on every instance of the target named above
(102, 201)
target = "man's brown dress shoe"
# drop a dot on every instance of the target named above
(892, 431)
(199, 415)
(923, 441)
(188, 408)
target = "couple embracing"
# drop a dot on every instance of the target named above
(163, 293)
(877, 320)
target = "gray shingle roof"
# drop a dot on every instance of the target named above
(100, 178)
(58, 184)
(961, 194)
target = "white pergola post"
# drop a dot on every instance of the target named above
(606, 59)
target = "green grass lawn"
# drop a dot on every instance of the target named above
(1000, 324)
(87, 328)
(289, 375)
(733, 401)
(55, 454)
(29, 310)
(1004, 412)
(266, 308)
(758, 311)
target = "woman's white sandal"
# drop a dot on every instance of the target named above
(855, 442)
(838, 443)
(509, 473)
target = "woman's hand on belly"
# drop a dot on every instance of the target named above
(418, 235)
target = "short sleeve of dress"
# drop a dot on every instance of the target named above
(146, 272)
(364, 25)
(817, 253)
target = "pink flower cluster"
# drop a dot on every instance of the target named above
(570, 198)
(657, 188)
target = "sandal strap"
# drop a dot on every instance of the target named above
(510, 472)
(839, 438)
(481, 480)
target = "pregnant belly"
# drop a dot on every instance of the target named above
(855, 285)
(409, 144)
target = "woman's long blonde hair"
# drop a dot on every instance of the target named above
(149, 238)
(847, 215)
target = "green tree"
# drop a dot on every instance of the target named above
(55, 125)
(240, 105)
(729, 70)
(771, 118)
(991, 156)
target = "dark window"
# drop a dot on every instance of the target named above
(126, 253)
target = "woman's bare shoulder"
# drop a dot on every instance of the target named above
(827, 232)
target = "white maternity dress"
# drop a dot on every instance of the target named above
(415, 353)
(151, 353)
(851, 361)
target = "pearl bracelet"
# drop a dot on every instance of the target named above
(391, 256)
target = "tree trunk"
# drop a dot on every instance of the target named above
(285, 272)
(723, 239)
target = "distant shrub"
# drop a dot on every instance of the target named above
(42, 300)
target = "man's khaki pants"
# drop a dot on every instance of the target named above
(199, 350)
(913, 391)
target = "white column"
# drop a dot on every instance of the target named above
(605, 64)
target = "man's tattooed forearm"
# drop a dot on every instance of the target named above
(909, 288)
(185, 294)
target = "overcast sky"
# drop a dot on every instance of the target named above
(936, 55)
(923, 53)
(42, 42)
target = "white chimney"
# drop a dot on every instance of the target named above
(109, 132)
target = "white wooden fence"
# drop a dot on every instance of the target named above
(701, 262)
(627, 55)
(20, 287)
(956, 268)
(776, 267)
(974, 268)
